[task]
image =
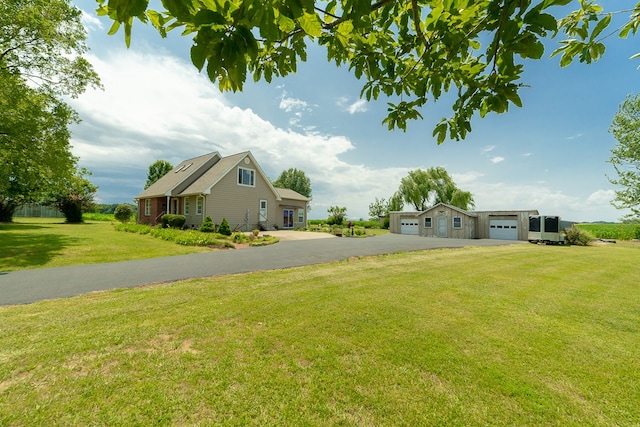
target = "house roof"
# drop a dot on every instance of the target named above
(180, 174)
(439, 205)
(200, 174)
(286, 193)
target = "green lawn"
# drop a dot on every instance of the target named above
(43, 242)
(521, 335)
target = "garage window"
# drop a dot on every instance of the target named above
(427, 222)
(457, 222)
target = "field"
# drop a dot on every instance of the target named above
(612, 231)
(516, 335)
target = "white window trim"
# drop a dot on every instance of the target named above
(300, 215)
(252, 174)
(453, 223)
(430, 222)
(147, 207)
(185, 207)
(199, 205)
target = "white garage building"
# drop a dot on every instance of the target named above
(444, 220)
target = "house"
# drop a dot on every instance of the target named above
(233, 187)
(443, 220)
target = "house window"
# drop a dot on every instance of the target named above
(300, 215)
(263, 210)
(246, 177)
(427, 222)
(199, 203)
(147, 207)
(457, 222)
(186, 206)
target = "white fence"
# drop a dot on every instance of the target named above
(34, 210)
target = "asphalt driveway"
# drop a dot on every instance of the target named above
(294, 250)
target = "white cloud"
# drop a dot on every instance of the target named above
(345, 104)
(289, 104)
(601, 197)
(488, 148)
(497, 159)
(90, 22)
(156, 107)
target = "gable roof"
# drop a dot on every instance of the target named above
(200, 174)
(287, 193)
(462, 211)
(183, 174)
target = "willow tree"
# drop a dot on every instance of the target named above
(410, 51)
(424, 189)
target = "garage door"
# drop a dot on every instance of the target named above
(408, 226)
(504, 229)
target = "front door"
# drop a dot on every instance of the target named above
(442, 226)
(288, 218)
(174, 206)
(263, 211)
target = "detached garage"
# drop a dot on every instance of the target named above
(444, 220)
(409, 226)
(503, 229)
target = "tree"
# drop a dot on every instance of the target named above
(75, 195)
(41, 47)
(396, 203)
(423, 189)
(296, 180)
(43, 41)
(410, 51)
(336, 215)
(123, 212)
(34, 143)
(625, 155)
(157, 170)
(378, 208)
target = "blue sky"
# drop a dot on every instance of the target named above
(550, 155)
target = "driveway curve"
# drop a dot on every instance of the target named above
(294, 250)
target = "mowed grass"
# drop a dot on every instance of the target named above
(502, 336)
(48, 242)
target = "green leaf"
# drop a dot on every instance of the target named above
(114, 28)
(311, 24)
(207, 17)
(600, 26)
(286, 24)
(198, 55)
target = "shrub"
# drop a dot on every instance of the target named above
(239, 238)
(123, 213)
(385, 224)
(224, 227)
(173, 221)
(575, 236)
(207, 225)
(134, 228)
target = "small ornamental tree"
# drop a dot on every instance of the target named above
(336, 215)
(224, 228)
(123, 213)
(207, 225)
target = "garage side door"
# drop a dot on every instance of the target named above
(408, 226)
(504, 229)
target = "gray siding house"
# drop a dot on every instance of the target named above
(443, 220)
(233, 187)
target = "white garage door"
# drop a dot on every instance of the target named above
(505, 229)
(408, 226)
